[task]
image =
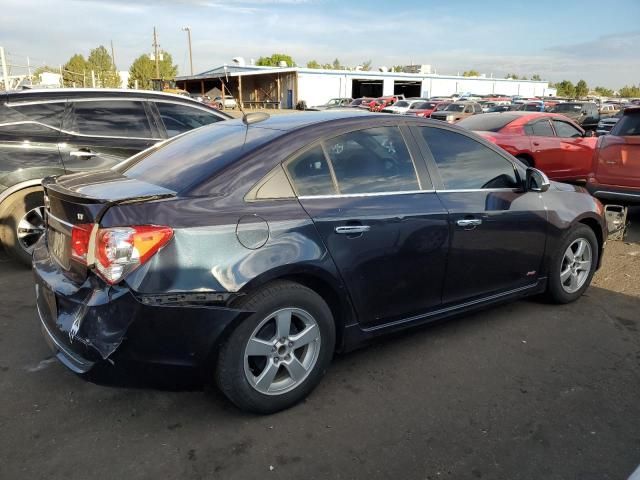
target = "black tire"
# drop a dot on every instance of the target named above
(526, 160)
(11, 212)
(555, 291)
(230, 371)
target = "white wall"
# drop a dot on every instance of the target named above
(318, 88)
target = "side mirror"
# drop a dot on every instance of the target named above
(537, 181)
(589, 134)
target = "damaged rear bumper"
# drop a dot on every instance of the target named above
(93, 322)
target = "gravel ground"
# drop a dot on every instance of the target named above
(522, 391)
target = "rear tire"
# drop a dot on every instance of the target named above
(22, 223)
(569, 274)
(265, 366)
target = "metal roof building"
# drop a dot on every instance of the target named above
(283, 87)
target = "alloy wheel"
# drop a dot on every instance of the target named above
(282, 351)
(576, 265)
(30, 228)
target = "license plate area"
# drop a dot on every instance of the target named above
(59, 245)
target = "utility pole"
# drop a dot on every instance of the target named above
(155, 52)
(29, 71)
(5, 75)
(188, 30)
(113, 57)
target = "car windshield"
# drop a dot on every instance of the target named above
(567, 107)
(455, 107)
(333, 101)
(194, 157)
(487, 123)
(402, 103)
(628, 125)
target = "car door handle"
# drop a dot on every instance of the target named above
(82, 154)
(353, 229)
(469, 222)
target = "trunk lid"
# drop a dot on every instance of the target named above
(82, 199)
(618, 161)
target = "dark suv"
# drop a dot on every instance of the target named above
(585, 114)
(54, 132)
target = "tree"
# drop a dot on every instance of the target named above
(143, 69)
(313, 64)
(512, 75)
(471, 73)
(366, 66)
(275, 59)
(396, 68)
(74, 71)
(630, 91)
(336, 65)
(536, 77)
(565, 88)
(604, 92)
(582, 89)
(102, 65)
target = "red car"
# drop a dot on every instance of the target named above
(425, 109)
(616, 166)
(547, 141)
(381, 102)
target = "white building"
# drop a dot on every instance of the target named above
(283, 87)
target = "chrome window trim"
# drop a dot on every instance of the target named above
(77, 134)
(615, 194)
(357, 195)
(34, 102)
(463, 190)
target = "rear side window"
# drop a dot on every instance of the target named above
(566, 130)
(371, 161)
(628, 125)
(46, 113)
(466, 164)
(374, 160)
(111, 118)
(540, 129)
(487, 123)
(181, 118)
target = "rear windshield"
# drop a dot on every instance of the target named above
(567, 107)
(628, 125)
(402, 103)
(487, 123)
(196, 156)
(455, 107)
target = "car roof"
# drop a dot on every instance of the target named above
(70, 93)
(293, 121)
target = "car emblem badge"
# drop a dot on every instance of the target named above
(80, 216)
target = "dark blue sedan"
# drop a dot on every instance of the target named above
(254, 249)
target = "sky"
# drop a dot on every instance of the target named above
(592, 40)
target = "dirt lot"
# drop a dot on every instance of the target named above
(522, 391)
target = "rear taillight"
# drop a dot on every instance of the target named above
(80, 237)
(120, 250)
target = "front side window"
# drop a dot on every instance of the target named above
(566, 130)
(111, 118)
(466, 164)
(181, 118)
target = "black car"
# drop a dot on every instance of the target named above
(585, 114)
(253, 250)
(52, 132)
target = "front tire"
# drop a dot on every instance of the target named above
(22, 223)
(278, 355)
(573, 265)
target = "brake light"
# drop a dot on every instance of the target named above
(120, 250)
(80, 236)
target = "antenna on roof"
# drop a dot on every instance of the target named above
(254, 117)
